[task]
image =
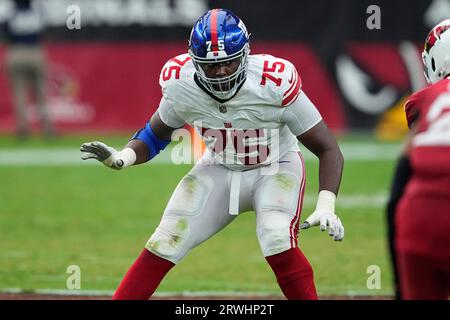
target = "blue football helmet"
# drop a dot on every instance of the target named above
(219, 36)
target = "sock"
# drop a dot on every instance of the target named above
(294, 274)
(144, 276)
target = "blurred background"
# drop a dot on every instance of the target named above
(98, 80)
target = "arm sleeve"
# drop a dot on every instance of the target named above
(168, 115)
(412, 113)
(155, 145)
(402, 175)
(301, 115)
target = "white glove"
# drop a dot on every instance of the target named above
(109, 156)
(325, 217)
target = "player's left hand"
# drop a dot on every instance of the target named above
(326, 220)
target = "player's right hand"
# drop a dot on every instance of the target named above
(103, 153)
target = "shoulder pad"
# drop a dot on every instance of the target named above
(171, 71)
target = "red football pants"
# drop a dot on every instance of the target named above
(423, 278)
(423, 246)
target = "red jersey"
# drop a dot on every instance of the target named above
(429, 110)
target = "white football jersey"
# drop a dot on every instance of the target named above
(250, 129)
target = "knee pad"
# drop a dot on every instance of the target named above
(274, 232)
(170, 239)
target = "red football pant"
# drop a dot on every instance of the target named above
(422, 242)
(144, 276)
(423, 277)
(294, 274)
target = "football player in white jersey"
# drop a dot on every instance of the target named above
(251, 113)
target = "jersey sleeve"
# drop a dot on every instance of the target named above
(291, 87)
(281, 78)
(301, 115)
(168, 115)
(170, 76)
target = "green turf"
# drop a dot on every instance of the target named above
(100, 219)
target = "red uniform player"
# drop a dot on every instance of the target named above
(423, 213)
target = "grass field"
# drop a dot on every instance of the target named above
(69, 213)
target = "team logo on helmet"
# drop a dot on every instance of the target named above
(434, 35)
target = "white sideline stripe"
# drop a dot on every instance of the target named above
(187, 293)
(71, 156)
(351, 201)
